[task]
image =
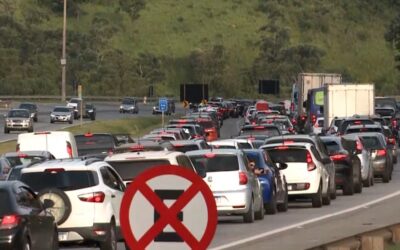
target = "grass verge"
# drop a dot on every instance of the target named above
(134, 126)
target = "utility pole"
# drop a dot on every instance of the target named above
(63, 58)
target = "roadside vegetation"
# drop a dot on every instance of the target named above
(122, 47)
(134, 126)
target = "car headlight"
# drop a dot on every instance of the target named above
(90, 111)
(32, 114)
(154, 108)
(8, 120)
(52, 115)
(121, 107)
(26, 121)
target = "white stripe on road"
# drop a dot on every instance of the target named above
(303, 223)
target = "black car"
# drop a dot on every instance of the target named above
(24, 221)
(347, 164)
(353, 121)
(32, 108)
(90, 111)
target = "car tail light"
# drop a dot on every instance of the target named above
(22, 155)
(313, 119)
(110, 151)
(394, 123)
(359, 146)
(381, 152)
(288, 142)
(242, 178)
(69, 149)
(357, 122)
(88, 134)
(10, 221)
(209, 155)
(392, 141)
(281, 147)
(54, 170)
(310, 164)
(303, 118)
(292, 107)
(96, 197)
(338, 157)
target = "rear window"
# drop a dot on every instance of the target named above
(94, 144)
(244, 145)
(371, 142)
(337, 122)
(359, 130)
(25, 160)
(268, 131)
(287, 155)
(207, 124)
(332, 146)
(185, 148)
(5, 202)
(345, 124)
(320, 123)
(130, 169)
(64, 180)
(215, 163)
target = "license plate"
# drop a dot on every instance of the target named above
(62, 236)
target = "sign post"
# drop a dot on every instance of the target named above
(168, 207)
(81, 104)
(163, 105)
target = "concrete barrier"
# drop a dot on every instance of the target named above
(373, 240)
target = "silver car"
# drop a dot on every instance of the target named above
(129, 105)
(18, 119)
(236, 189)
(62, 114)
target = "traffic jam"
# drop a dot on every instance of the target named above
(63, 190)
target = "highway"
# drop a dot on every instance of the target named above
(302, 226)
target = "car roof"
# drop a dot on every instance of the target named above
(185, 142)
(67, 164)
(227, 141)
(31, 152)
(215, 151)
(143, 155)
(365, 126)
(294, 144)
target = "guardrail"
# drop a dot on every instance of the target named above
(92, 98)
(372, 240)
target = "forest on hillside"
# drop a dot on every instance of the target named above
(122, 47)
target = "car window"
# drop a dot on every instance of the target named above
(244, 145)
(5, 201)
(58, 178)
(130, 169)
(110, 179)
(371, 142)
(286, 154)
(215, 162)
(26, 198)
(316, 153)
(332, 146)
(185, 148)
(184, 161)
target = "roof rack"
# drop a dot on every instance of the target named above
(89, 160)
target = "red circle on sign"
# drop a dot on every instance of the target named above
(169, 218)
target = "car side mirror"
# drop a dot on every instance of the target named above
(47, 203)
(281, 165)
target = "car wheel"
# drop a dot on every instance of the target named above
(51, 121)
(62, 205)
(358, 182)
(70, 121)
(249, 216)
(271, 207)
(259, 215)
(316, 199)
(283, 207)
(333, 193)
(26, 244)
(55, 245)
(386, 176)
(326, 199)
(35, 119)
(368, 181)
(93, 118)
(348, 187)
(30, 130)
(6, 131)
(111, 239)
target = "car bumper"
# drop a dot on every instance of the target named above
(10, 239)
(18, 127)
(233, 202)
(84, 234)
(379, 166)
(343, 173)
(295, 185)
(61, 119)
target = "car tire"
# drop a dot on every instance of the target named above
(316, 199)
(326, 199)
(259, 214)
(30, 130)
(271, 207)
(26, 244)
(248, 217)
(358, 185)
(348, 187)
(57, 195)
(283, 207)
(51, 121)
(6, 131)
(368, 181)
(35, 119)
(111, 239)
(93, 118)
(333, 193)
(386, 176)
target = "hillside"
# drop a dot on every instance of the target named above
(123, 47)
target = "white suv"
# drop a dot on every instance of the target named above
(129, 165)
(86, 194)
(305, 173)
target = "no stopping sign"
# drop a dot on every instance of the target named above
(168, 207)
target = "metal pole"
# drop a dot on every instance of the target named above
(63, 59)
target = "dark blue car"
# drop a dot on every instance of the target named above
(273, 183)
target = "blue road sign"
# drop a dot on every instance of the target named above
(163, 103)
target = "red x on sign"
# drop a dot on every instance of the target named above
(168, 216)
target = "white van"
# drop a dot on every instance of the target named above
(60, 143)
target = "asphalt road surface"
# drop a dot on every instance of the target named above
(302, 226)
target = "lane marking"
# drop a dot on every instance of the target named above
(303, 223)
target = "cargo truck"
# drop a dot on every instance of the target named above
(346, 100)
(306, 82)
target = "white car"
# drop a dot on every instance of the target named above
(305, 173)
(131, 164)
(318, 125)
(87, 196)
(236, 188)
(231, 144)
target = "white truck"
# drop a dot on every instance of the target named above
(307, 81)
(345, 100)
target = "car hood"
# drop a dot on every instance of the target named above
(60, 113)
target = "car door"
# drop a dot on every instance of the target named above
(115, 189)
(255, 183)
(280, 182)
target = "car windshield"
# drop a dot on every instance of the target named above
(215, 162)
(18, 113)
(27, 106)
(74, 101)
(128, 102)
(62, 110)
(58, 178)
(5, 202)
(371, 142)
(94, 144)
(128, 170)
(363, 129)
(24, 159)
(286, 154)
